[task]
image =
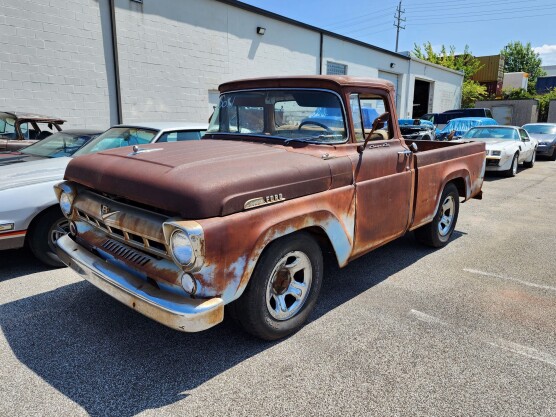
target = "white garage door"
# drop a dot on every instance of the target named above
(502, 114)
(393, 78)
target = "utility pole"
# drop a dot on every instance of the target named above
(398, 17)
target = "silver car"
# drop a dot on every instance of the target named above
(545, 133)
(29, 212)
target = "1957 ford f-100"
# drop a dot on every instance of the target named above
(241, 218)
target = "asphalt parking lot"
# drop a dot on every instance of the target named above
(467, 330)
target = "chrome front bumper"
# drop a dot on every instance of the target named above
(180, 313)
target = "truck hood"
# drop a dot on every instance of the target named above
(209, 178)
(32, 172)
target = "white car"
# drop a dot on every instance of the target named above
(29, 212)
(506, 147)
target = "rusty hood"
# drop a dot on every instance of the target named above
(208, 178)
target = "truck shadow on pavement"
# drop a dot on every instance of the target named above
(18, 262)
(112, 361)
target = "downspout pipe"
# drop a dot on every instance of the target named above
(321, 51)
(116, 61)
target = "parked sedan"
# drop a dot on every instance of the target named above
(30, 214)
(545, 133)
(506, 147)
(18, 130)
(58, 144)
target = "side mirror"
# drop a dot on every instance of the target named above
(377, 124)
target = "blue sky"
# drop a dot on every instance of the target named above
(486, 26)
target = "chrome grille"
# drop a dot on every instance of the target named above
(125, 252)
(135, 239)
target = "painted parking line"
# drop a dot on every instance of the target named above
(522, 350)
(519, 281)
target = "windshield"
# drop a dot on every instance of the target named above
(7, 125)
(502, 133)
(302, 115)
(542, 129)
(117, 137)
(58, 144)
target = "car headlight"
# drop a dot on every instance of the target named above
(496, 153)
(65, 203)
(182, 248)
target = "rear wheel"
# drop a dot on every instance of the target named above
(553, 157)
(283, 289)
(438, 232)
(49, 227)
(531, 162)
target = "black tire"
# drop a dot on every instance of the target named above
(438, 232)
(269, 282)
(531, 162)
(513, 168)
(553, 157)
(426, 137)
(41, 239)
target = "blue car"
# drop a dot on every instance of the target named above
(456, 128)
(331, 117)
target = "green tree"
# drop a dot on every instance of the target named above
(522, 58)
(471, 92)
(466, 62)
(544, 103)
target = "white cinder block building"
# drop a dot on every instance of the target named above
(101, 62)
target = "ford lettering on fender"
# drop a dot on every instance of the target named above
(241, 217)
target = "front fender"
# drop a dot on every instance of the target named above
(234, 244)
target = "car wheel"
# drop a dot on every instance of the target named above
(512, 172)
(283, 289)
(531, 162)
(553, 157)
(426, 137)
(49, 227)
(438, 232)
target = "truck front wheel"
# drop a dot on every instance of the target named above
(438, 232)
(283, 289)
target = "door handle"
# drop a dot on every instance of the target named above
(405, 152)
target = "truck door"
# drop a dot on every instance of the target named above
(383, 177)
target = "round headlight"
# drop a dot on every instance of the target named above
(182, 250)
(65, 203)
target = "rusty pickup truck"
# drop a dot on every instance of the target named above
(290, 169)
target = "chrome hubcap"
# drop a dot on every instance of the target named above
(446, 216)
(514, 166)
(58, 229)
(289, 285)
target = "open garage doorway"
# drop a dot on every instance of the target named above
(421, 96)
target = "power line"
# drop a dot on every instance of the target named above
(481, 20)
(359, 17)
(365, 21)
(498, 12)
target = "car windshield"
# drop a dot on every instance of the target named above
(481, 133)
(300, 115)
(117, 137)
(542, 129)
(58, 144)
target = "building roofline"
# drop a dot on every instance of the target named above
(422, 61)
(257, 10)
